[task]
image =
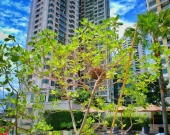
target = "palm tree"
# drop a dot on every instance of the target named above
(155, 25)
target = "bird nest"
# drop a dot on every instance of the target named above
(97, 72)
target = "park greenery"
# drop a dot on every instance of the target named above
(156, 26)
(89, 63)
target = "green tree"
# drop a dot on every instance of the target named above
(15, 74)
(91, 61)
(155, 25)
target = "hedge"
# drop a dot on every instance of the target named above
(158, 118)
(55, 118)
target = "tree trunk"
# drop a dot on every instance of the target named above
(88, 107)
(72, 115)
(162, 92)
(124, 81)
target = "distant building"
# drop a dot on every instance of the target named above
(139, 53)
(60, 16)
(94, 10)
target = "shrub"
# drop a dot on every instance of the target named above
(126, 121)
(55, 118)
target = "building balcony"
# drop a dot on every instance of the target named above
(166, 7)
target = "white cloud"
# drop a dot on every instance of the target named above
(9, 30)
(18, 5)
(125, 25)
(3, 35)
(121, 7)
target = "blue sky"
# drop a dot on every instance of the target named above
(15, 16)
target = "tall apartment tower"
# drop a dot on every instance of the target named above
(157, 6)
(139, 52)
(60, 16)
(94, 10)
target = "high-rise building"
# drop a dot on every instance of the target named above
(94, 10)
(139, 53)
(60, 16)
(158, 6)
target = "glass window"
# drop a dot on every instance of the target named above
(154, 10)
(152, 3)
(168, 41)
(51, 10)
(45, 81)
(49, 27)
(50, 16)
(164, 71)
(50, 21)
(163, 61)
(46, 66)
(51, 4)
(161, 42)
(52, 83)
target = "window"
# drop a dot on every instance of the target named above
(46, 59)
(152, 3)
(50, 22)
(36, 21)
(51, 5)
(164, 71)
(154, 10)
(168, 41)
(45, 81)
(37, 15)
(52, 83)
(50, 16)
(36, 26)
(51, 10)
(160, 42)
(70, 88)
(163, 61)
(46, 66)
(35, 32)
(49, 27)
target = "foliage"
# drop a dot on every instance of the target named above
(92, 60)
(136, 120)
(56, 118)
(15, 74)
(65, 125)
(153, 96)
(146, 121)
(81, 96)
(155, 25)
(88, 129)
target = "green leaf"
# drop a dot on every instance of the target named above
(39, 57)
(12, 93)
(10, 36)
(7, 39)
(8, 89)
(14, 58)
